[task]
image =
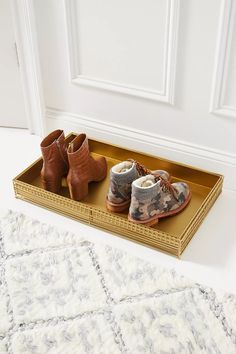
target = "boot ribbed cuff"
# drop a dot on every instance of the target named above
(140, 192)
(123, 177)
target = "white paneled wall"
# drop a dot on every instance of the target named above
(224, 85)
(154, 75)
(116, 35)
(12, 108)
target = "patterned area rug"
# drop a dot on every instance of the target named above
(62, 294)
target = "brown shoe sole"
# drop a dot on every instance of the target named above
(154, 220)
(117, 208)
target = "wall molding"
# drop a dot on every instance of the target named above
(26, 39)
(199, 156)
(227, 18)
(171, 37)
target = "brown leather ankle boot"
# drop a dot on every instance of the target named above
(55, 161)
(83, 168)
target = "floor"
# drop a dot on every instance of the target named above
(210, 258)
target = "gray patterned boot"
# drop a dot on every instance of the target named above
(121, 177)
(154, 198)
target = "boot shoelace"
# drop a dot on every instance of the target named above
(164, 184)
(142, 170)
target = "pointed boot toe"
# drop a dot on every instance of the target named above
(100, 168)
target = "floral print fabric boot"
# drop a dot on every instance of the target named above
(121, 177)
(154, 198)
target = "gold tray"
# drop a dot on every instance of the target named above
(171, 235)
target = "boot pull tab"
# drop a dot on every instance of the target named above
(71, 147)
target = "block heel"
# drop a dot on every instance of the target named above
(51, 185)
(78, 191)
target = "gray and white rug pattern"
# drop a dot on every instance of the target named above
(60, 293)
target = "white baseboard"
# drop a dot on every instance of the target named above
(192, 154)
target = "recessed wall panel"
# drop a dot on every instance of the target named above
(123, 41)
